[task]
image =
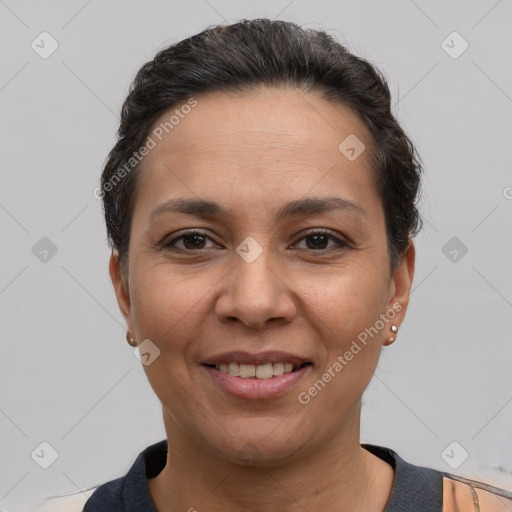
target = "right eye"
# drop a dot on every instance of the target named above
(192, 240)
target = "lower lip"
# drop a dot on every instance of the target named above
(256, 389)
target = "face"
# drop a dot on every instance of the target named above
(275, 259)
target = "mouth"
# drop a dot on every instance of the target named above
(258, 371)
(256, 376)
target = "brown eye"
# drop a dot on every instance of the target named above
(319, 239)
(191, 241)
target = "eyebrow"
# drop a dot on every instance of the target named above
(306, 206)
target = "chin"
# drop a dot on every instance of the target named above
(261, 449)
(253, 456)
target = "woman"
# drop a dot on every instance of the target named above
(261, 203)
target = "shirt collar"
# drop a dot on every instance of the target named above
(414, 487)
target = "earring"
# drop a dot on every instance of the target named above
(130, 340)
(390, 340)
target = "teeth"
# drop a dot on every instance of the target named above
(260, 371)
(278, 369)
(233, 369)
(264, 371)
(247, 370)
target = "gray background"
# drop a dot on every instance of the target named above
(68, 376)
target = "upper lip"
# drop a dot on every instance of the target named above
(259, 358)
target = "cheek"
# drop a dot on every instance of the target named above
(165, 308)
(349, 298)
(157, 306)
(350, 350)
(347, 313)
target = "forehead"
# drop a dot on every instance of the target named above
(262, 115)
(273, 138)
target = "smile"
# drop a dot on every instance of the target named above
(260, 371)
(259, 376)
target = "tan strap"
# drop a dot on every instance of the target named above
(465, 497)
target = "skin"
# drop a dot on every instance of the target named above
(252, 153)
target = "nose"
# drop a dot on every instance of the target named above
(254, 293)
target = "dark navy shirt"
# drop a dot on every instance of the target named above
(415, 488)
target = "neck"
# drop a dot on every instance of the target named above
(339, 476)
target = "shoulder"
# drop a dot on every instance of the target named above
(461, 493)
(108, 497)
(428, 489)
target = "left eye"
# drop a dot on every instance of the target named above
(321, 238)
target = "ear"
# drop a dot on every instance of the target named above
(401, 283)
(120, 288)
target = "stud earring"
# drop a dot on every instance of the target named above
(130, 340)
(390, 340)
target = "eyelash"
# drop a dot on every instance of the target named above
(170, 246)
